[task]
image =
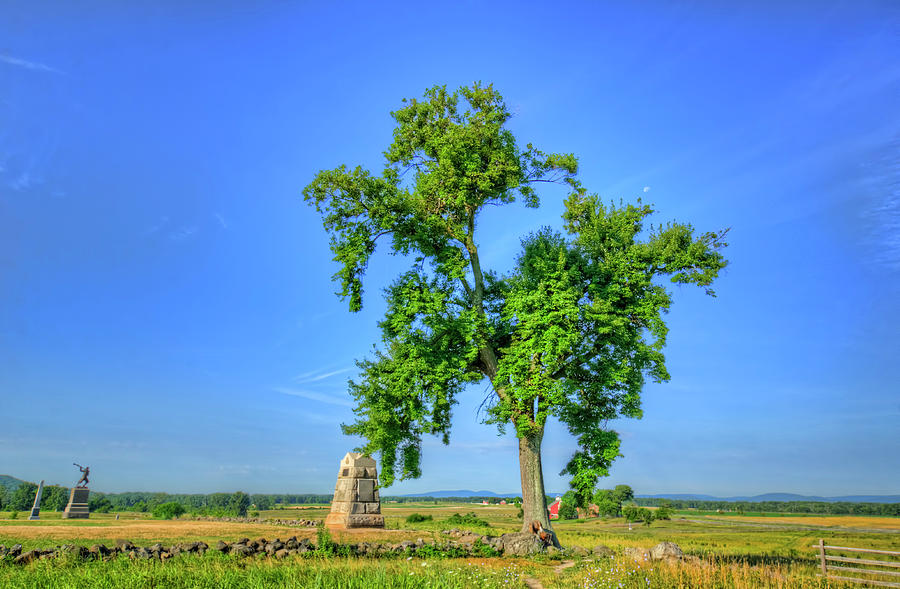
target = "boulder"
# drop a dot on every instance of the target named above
(27, 557)
(494, 542)
(601, 550)
(521, 544)
(637, 554)
(281, 553)
(666, 551)
(124, 545)
(79, 552)
(578, 551)
(142, 553)
(221, 546)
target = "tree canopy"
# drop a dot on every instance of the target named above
(573, 331)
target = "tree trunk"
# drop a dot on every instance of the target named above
(534, 499)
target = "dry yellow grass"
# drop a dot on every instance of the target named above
(838, 521)
(170, 531)
(158, 531)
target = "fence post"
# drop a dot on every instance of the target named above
(822, 557)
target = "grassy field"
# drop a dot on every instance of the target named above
(730, 551)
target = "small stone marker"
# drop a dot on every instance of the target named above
(36, 508)
(356, 501)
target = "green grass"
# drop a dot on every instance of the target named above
(731, 554)
(215, 571)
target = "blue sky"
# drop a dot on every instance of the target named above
(166, 309)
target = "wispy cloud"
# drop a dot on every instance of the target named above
(182, 233)
(646, 189)
(881, 213)
(314, 396)
(317, 375)
(221, 220)
(163, 221)
(30, 65)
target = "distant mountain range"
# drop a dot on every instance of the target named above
(688, 496)
(11, 483)
(780, 497)
(460, 493)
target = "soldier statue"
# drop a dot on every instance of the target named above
(85, 471)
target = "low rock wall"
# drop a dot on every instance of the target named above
(458, 543)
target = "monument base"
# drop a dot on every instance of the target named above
(346, 521)
(77, 508)
(35, 513)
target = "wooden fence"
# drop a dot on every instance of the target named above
(880, 577)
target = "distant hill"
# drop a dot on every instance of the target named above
(11, 483)
(779, 497)
(460, 493)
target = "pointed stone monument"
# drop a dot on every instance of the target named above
(77, 508)
(356, 503)
(36, 508)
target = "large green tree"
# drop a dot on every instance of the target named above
(573, 331)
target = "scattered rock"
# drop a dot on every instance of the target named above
(637, 554)
(578, 551)
(27, 557)
(521, 544)
(667, 551)
(79, 552)
(601, 550)
(124, 545)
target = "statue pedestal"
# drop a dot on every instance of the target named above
(77, 508)
(35, 513)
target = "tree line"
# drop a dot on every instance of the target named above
(814, 507)
(608, 502)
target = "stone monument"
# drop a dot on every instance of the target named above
(77, 508)
(356, 501)
(36, 508)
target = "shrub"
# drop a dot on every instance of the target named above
(324, 543)
(168, 510)
(415, 518)
(470, 519)
(664, 511)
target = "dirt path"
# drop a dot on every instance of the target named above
(533, 583)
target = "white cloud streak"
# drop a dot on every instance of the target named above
(182, 233)
(315, 375)
(314, 396)
(29, 65)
